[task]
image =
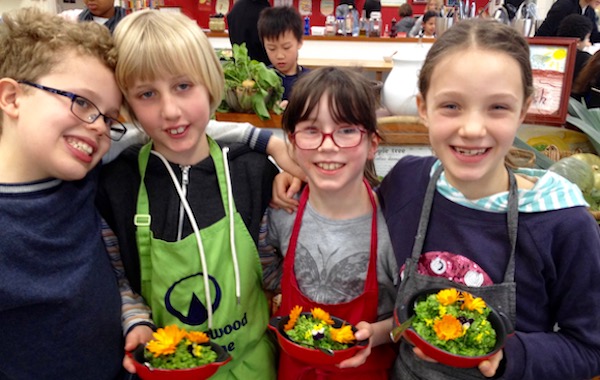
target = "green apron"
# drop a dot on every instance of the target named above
(176, 291)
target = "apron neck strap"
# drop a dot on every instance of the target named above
(512, 220)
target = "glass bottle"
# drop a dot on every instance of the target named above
(375, 24)
(330, 26)
(349, 27)
(363, 23)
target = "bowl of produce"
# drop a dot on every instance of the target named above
(315, 337)
(176, 354)
(453, 327)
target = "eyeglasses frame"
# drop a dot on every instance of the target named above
(73, 97)
(330, 135)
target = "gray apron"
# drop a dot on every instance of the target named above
(501, 297)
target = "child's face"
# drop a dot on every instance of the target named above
(45, 138)
(585, 42)
(283, 52)
(101, 8)
(429, 27)
(330, 167)
(473, 108)
(174, 112)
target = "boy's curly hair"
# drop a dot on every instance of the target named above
(33, 42)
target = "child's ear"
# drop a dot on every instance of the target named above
(373, 145)
(526, 106)
(10, 91)
(422, 108)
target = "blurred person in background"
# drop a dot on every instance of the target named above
(242, 22)
(103, 12)
(407, 21)
(561, 9)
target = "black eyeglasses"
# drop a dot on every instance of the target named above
(312, 138)
(86, 111)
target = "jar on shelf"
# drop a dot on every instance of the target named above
(216, 23)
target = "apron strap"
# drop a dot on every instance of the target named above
(512, 222)
(142, 221)
(142, 218)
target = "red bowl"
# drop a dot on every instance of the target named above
(498, 320)
(196, 373)
(313, 355)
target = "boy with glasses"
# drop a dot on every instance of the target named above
(59, 300)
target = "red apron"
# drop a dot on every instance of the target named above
(362, 308)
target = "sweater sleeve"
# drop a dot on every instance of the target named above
(245, 133)
(134, 310)
(569, 347)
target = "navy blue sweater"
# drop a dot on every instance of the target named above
(557, 270)
(60, 306)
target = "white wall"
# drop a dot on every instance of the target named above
(7, 5)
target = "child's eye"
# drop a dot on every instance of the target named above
(348, 131)
(82, 102)
(310, 131)
(183, 86)
(449, 106)
(146, 94)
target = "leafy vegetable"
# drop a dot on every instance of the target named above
(587, 120)
(250, 85)
(583, 169)
(456, 322)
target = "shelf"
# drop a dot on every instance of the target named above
(395, 130)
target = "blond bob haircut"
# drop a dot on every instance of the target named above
(153, 44)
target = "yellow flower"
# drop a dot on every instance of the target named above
(197, 350)
(165, 340)
(294, 314)
(448, 327)
(197, 337)
(342, 335)
(472, 303)
(448, 296)
(322, 315)
(442, 310)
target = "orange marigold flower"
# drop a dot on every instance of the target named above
(197, 337)
(294, 314)
(473, 303)
(165, 340)
(342, 335)
(322, 315)
(448, 327)
(448, 296)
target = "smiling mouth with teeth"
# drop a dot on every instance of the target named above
(470, 152)
(176, 131)
(81, 146)
(329, 165)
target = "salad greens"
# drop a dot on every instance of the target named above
(250, 85)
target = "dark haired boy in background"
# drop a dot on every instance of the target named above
(280, 29)
(580, 27)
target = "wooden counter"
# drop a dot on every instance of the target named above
(379, 67)
(395, 130)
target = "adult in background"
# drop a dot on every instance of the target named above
(587, 84)
(242, 21)
(561, 9)
(372, 6)
(407, 21)
(103, 12)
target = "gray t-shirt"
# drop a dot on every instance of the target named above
(332, 256)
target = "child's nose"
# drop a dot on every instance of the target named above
(170, 108)
(473, 125)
